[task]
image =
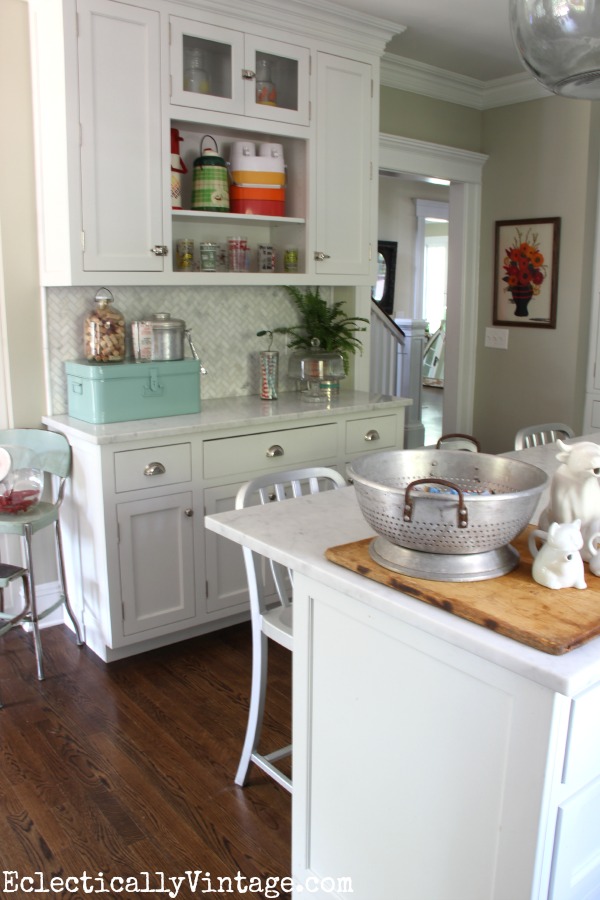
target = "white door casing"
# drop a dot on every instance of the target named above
(463, 169)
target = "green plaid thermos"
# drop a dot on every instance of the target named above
(211, 186)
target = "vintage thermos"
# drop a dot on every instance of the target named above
(211, 184)
(178, 168)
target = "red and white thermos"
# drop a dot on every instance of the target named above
(178, 168)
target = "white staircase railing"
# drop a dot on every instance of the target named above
(397, 347)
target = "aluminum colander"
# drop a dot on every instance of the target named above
(447, 502)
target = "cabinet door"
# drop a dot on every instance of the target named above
(156, 558)
(226, 71)
(576, 861)
(278, 88)
(121, 136)
(206, 66)
(226, 585)
(344, 176)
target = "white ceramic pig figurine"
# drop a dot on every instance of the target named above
(558, 563)
(575, 491)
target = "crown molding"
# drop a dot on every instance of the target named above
(419, 78)
(330, 20)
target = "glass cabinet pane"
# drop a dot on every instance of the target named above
(206, 66)
(276, 81)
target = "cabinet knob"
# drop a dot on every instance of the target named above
(188, 512)
(372, 435)
(160, 250)
(320, 256)
(275, 450)
(154, 468)
(248, 74)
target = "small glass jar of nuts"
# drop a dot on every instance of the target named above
(104, 331)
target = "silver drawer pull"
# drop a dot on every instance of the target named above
(154, 468)
(372, 435)
(275, 450)
(160, 250)
(320, 255)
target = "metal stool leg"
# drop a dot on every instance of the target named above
(33, 618)
(63, 583)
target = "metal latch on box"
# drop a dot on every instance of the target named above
(153, 388)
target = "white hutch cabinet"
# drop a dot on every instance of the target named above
(111, 79)
(142, 570)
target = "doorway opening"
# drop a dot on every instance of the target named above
(427, 163)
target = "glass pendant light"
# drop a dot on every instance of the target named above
(559, 42)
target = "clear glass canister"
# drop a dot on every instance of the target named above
(104, 331)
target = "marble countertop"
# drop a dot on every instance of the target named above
(297, 533)
(225, 413)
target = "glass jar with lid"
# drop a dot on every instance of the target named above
(104, 331)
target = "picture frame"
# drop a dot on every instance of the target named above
(526, 272)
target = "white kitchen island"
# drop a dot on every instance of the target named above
(433, 758)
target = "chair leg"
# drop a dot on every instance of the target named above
(63, 584)
(29, 580)
(257, 702)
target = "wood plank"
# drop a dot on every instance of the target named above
(554, 621)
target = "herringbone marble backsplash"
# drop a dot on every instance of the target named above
(224, 322)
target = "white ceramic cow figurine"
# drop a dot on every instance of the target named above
(558, 563)
(575, 490)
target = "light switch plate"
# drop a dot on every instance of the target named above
(496, 338)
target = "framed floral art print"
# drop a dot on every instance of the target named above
(526, 272)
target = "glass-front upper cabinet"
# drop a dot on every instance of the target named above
(227, 71)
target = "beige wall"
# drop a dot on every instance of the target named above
(23, 354)
(425, 119)
(542, 162)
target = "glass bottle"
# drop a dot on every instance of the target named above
(266, 92)
(104, 331)
(195, 77)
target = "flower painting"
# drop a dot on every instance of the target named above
(526, 272)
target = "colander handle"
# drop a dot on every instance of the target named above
(463, 516)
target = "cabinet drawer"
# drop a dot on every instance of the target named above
(271, 450)
(377, 433)
(152, 467)
(582, 762)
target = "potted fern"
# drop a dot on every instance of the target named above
(329, 325)
(323, 340)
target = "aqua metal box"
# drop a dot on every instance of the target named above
(118, 392)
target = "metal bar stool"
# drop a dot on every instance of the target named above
(50, 453)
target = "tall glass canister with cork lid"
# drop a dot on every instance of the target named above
(104, 330)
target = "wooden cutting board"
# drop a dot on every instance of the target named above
(554, 621)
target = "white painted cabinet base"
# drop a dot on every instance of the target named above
(426, 771)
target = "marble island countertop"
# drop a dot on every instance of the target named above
(225, 413)
(298, 533)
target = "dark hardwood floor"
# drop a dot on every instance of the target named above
(128, 767)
